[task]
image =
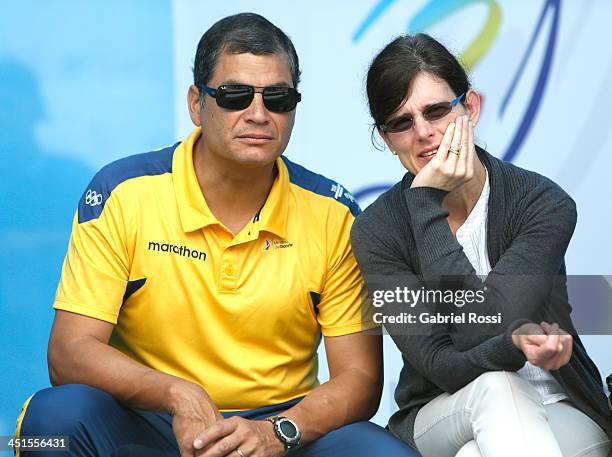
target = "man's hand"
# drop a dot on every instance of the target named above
(544, 345)
(193, 412)
(253, 438)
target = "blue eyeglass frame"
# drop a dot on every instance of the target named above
(454, 102)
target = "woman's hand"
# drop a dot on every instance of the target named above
(454, 163)
(544, 345)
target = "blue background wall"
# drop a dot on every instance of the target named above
(81, 83)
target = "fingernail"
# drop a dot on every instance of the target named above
(197, 444)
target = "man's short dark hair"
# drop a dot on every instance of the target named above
(238, 34)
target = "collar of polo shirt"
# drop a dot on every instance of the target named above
(194, 211)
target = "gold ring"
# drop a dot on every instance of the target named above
(239, 452)
(454, 151)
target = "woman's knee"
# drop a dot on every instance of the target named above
(470, 449)
(503, 384)
(507, 391)
(59, 410)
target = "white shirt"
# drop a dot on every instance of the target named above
(472, 236)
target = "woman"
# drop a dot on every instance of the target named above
(519, 385)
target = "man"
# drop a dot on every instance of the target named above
(199, 278)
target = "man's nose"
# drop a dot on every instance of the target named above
(257, 111)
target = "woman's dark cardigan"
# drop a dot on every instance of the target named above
(404, 238)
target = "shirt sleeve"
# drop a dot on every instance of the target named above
(343, 308)
(96, 267)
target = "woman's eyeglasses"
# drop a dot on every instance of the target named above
(431, 113)
(277, 99)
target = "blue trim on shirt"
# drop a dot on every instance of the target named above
(321, 185)
(132, 287)
(316, 299)
(104, 182)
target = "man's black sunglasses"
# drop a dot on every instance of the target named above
(277, 99)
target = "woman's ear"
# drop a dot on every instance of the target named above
(385, 138)
(472, 103)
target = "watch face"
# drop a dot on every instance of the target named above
(288, 429)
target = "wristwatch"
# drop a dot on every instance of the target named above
(286, 431)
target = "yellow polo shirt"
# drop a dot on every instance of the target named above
(240, 315)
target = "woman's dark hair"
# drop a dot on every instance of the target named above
(242, 33)
(394, 68)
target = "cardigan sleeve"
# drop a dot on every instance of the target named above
(521, 280)
(428, 350)
(437, 358)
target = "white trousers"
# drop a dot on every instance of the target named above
(500, 414)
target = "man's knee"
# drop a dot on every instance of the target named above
(359, 439)
(60, 410)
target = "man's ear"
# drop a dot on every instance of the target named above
(472, 103)
(194, 105)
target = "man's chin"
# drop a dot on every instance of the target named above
(253, 157)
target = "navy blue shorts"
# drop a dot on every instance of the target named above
(98, 425)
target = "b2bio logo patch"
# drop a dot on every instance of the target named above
(93, 198)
